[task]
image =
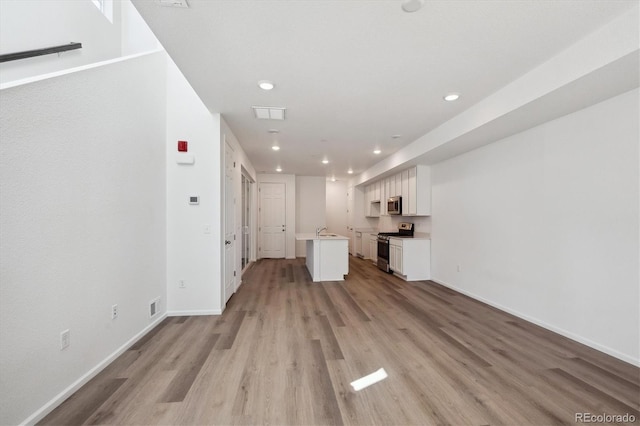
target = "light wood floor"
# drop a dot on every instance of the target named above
(285, 351)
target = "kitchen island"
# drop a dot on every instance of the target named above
(327, 256)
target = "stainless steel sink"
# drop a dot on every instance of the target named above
(328, 235)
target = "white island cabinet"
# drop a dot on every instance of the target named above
(327, 256)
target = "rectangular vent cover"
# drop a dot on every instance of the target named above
(269, 113)
(153, 308)
(174, 3)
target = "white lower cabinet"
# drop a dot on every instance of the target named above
(366, 247)
(358, 236)
(395, 255)
(373, 248)
(410, 258)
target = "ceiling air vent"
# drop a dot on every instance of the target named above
(269, 113)
(174, 3)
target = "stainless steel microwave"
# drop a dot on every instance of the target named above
(394, 205)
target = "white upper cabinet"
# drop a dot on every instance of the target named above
(418, 192)
(398, 179)
(413, 185)
(404, 178)
(371, 202)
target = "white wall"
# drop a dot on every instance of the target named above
(27, 25)
(337, 207)
(193, 255)
(36, 24)
(390, 223)
(290, 213)
(310, 207)
(82, 225)
(544, 224)
(136, 36)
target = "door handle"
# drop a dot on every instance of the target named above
(227, 242)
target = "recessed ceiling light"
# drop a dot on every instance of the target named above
(452, 97)
(275, 148)
(376, 151)
(333, 179)
(396, 136)
(273, 131)
(266, 84)
(325, 161)
(350, 171)
(278, 169)
(412, 5)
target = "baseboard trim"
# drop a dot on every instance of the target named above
(194, 313)
(580, 339)
(62, 396)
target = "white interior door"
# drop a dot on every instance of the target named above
(229, 225)
(246, 207)
(350, 209)
(272, 220)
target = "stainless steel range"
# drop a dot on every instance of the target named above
(405, 230)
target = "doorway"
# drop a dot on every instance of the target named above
(247, 190)
(272, 220)
(229, 224)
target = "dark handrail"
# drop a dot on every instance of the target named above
(39, 52)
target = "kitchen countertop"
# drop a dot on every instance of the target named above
(312, 236)
(418, 236)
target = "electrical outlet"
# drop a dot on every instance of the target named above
(114, 312)
(65, 339)
(182, 284)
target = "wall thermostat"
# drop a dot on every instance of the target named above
(194, 199)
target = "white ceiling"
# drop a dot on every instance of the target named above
(352, 73)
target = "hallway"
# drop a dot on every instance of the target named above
(285, 351)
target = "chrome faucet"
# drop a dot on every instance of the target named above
(319, 230)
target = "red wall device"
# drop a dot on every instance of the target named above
(182, 146)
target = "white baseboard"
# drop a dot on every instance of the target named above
(580, 339)
(194, 313)
(62, 396)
